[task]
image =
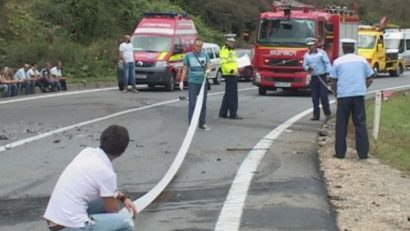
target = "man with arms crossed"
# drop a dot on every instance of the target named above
(128, 65)
(350, 77)
(85, 197)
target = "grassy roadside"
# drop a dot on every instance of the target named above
(393, 145)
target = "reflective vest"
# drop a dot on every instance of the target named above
(229, 63)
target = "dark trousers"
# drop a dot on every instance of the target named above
(230, 99)
(193, 92)
(319, 91)
(345, 107)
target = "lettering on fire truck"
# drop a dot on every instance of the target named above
(283, 52)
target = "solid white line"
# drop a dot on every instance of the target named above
(51, 95)
(40, 136)
(231, 213)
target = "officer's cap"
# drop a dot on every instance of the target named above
(311, 41)
(230, 37)
(346, 42)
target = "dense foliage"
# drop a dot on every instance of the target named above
(85, 34)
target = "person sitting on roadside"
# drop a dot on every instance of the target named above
(24, 80)
(8, 74)
(34, 74)
(57, 73)
(4, 87)
(47, 82)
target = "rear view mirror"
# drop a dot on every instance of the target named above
(178, 49)
(286, 25)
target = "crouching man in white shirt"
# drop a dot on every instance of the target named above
(85, 196)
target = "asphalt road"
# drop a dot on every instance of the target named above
(286, 191)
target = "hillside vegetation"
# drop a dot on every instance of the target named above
(85, 34)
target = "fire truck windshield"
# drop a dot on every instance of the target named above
(151, 43)
(366, 41)
(285, 31)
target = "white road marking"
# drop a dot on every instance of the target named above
(231, 214)
(57, 94)
(44, 135)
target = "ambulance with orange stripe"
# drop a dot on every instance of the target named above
(281, 42)
(160, 42)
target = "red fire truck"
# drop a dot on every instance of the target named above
(281, 37)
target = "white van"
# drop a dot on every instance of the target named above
(407, 47)
(212, 49)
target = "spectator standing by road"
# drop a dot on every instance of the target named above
(317, 64)
(230, 72)
(85, 197)
(128, 65)
(196, 67)
(350, 77)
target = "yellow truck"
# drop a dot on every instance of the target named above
(371, 46)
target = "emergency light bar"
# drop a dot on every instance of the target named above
(165, 14)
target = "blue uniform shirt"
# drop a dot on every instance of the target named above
(318, 61)
(351, 72)
(196, 72)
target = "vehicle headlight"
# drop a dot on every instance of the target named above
(257, 77)
(161, 64)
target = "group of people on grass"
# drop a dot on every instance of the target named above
(25, 79)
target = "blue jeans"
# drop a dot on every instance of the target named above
(13, 87)
(128, 74)
(5, 89)
(193, 91)
(101, 221)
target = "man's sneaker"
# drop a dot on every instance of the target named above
(134, 90)
(125, 90)
(204, 127)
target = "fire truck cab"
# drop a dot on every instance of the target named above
(160, 42)
(281, 43)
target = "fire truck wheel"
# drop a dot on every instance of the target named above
(262, 91)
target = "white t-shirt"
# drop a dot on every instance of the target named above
(127, 50)
(55, 72)
(32, 73)
(88, 177)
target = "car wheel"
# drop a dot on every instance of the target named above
(262, 91)
(170, 86)
(218, 76)
(376, 69)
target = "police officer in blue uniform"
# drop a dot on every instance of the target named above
(317, 64)
(350, 77)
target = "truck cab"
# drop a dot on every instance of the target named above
(160, 42)
(281, 43)
(382, 54)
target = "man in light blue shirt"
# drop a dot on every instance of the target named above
(317, 64)
(24, 80)
(350, 77)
